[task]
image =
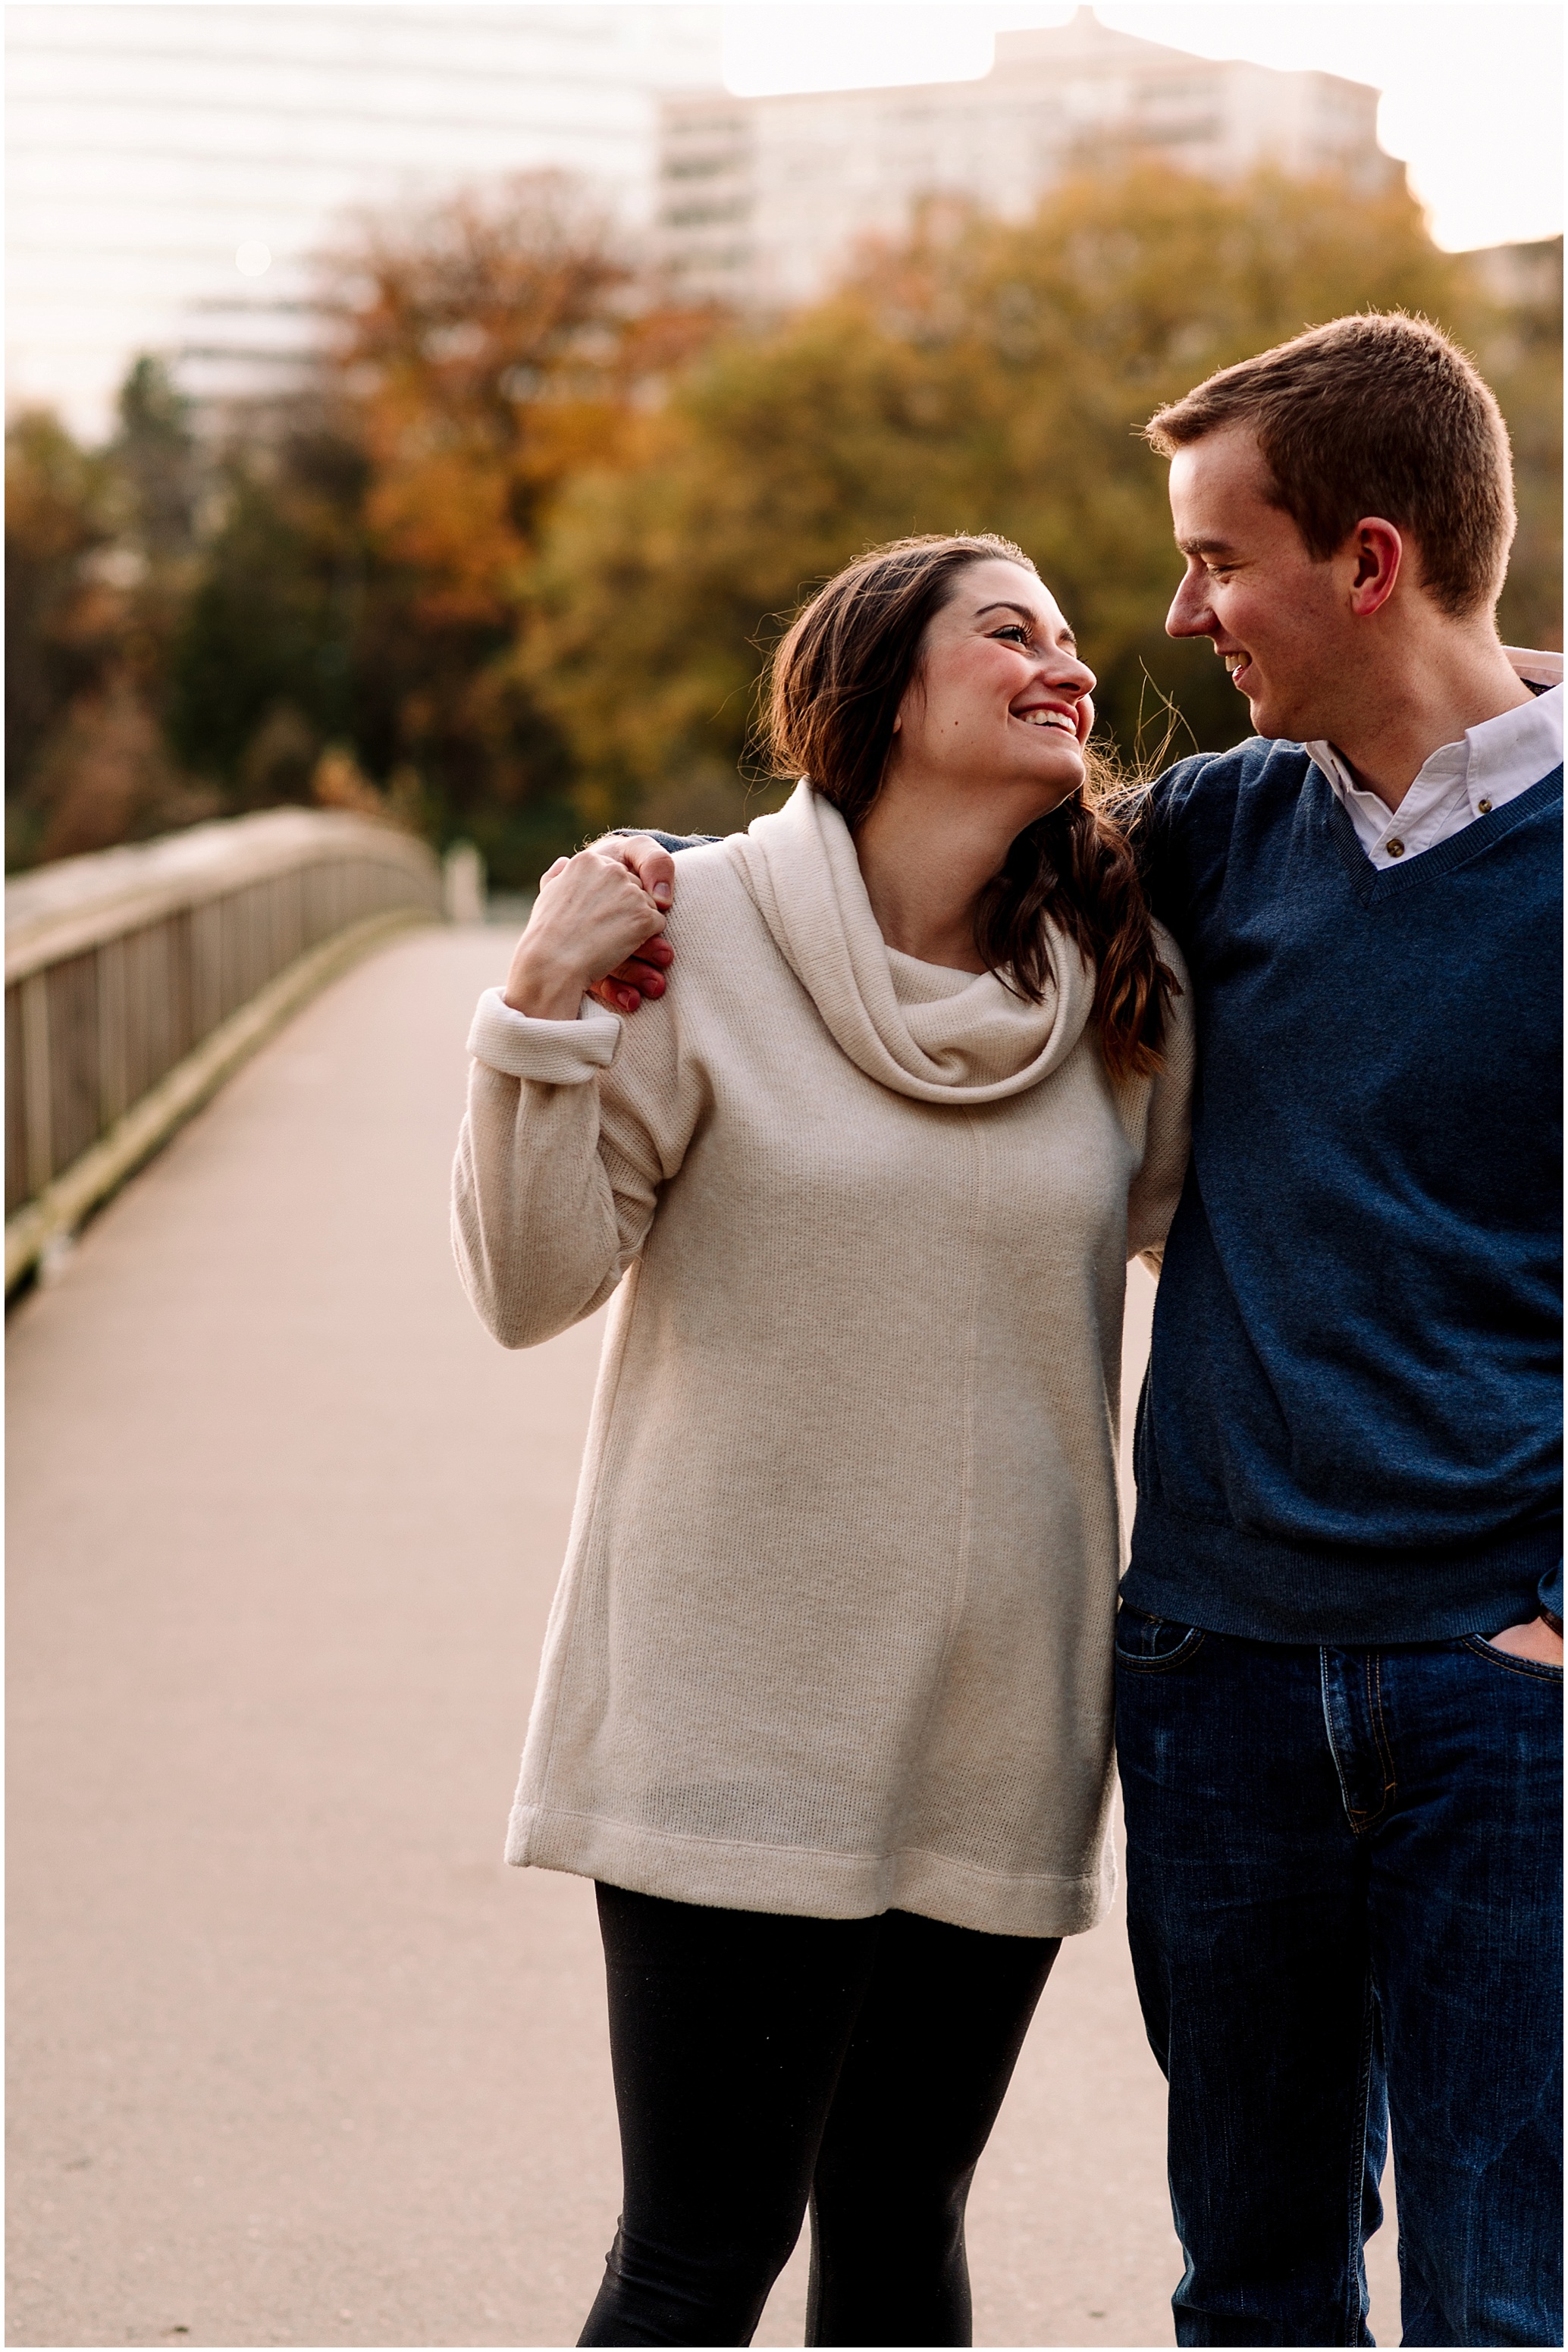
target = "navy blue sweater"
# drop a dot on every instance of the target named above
(1349, 1430)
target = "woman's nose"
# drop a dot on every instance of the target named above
(1065, 673)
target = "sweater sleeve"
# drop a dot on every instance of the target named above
(559, 1164)
(1154, 1192)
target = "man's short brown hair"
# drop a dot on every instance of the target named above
(1375, 415)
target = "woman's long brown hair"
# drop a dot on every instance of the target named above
(837, 680)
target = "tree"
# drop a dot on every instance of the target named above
(98, 546)
(366, 586)
(1518, 343)
(271, 642)
(59, 619)
(982, 375)
(155, 465)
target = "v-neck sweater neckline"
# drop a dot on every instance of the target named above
(1375, 887)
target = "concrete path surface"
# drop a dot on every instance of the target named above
(296, 2060)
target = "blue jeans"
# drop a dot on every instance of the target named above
(1344, 1904)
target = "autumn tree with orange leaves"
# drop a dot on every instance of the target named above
(487, 357)
(367, 585)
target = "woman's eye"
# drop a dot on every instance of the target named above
(1014, 634)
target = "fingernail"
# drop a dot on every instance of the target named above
(661, 894)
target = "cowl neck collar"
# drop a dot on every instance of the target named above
(976, 1046)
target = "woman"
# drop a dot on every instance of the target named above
(825, 1706)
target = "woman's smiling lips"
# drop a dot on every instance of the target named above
(1047, 714)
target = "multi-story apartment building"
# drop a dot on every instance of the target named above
(171, 170)
(761, 199)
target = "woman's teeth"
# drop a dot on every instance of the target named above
(1047, 718)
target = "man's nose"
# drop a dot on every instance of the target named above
(1189, 615)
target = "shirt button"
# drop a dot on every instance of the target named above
(1483, 808)
(1394, 848)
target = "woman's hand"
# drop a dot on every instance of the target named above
(591, 912)
(622, 989)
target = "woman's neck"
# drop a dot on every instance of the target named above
(925, 860)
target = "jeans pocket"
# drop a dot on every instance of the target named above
(1153, 1645)
(1536, 1668)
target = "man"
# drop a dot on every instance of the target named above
(1338, 1673)
(1340, 1650)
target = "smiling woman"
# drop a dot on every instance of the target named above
(824, 1706)
(940, 671)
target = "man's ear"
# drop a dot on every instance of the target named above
(1378, 551)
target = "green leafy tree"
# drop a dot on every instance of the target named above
(60, 625)
(156, 466)
(97, 554)
(270, 662)
(1518, 343)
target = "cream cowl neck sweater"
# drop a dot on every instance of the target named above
(833, 1632)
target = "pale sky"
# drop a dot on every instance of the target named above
(1472, 95)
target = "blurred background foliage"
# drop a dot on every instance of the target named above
(508, 567)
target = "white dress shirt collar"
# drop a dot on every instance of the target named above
(1493, 763)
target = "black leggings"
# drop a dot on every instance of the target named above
(763, 2062)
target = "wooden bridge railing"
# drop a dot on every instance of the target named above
(138, 978)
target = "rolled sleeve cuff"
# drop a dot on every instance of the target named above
(554, 1053)
(1549, 1595)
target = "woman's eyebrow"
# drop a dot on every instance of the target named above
(1023, 613)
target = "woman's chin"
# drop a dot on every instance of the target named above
(1060, 772)
(1043, 801)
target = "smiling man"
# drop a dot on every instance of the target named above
(1340, 1652)
(1339, 1656)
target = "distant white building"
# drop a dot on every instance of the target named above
(170, 169)
(760, 198)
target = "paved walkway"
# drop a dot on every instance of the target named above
(296, 2059)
